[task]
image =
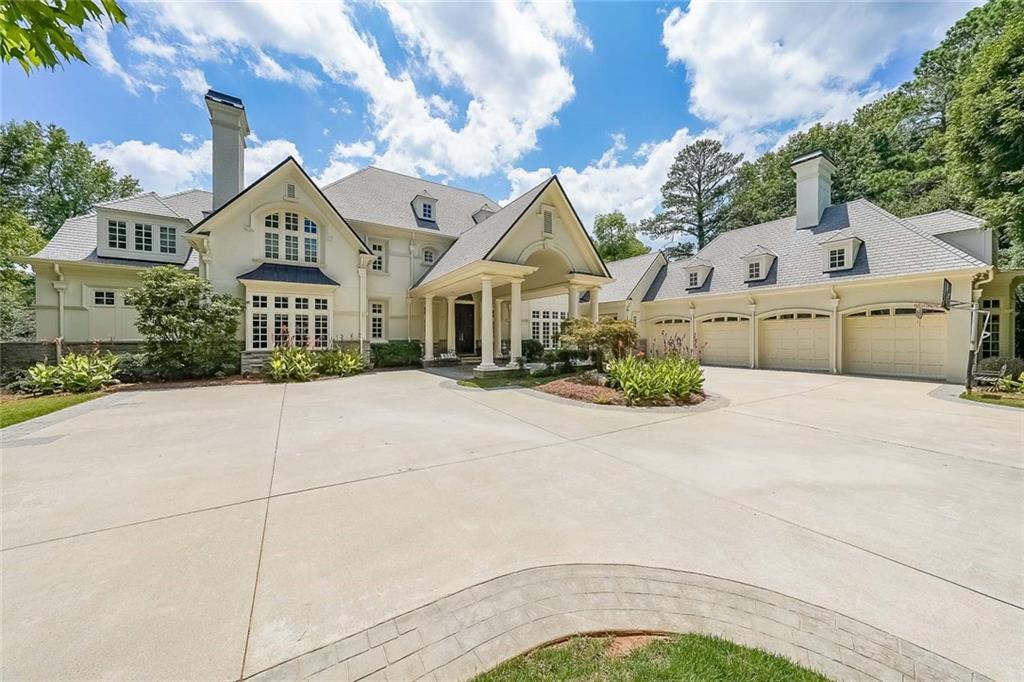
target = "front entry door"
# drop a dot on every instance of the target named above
(464, 319)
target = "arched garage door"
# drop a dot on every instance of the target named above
(795, 341)
(670, 335)
(724, 340)
(892, 341)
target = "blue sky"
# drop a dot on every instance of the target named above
(493, 97)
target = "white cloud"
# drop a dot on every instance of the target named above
(524, 43)
(266, 67)
(96, 47)
(341, 164)
(164, 170)
(609, 184)
(759, 70)
(193, 82)
(150, 47)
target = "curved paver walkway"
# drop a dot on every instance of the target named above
(477, 628)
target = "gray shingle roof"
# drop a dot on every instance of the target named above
(627, 273)
(148, 203)
(941, 222)
(375, 195)
(475, 243)
(191, 204)
(890, 247)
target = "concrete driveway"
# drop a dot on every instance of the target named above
(215, 532)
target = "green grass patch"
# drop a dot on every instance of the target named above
(13, 411)
(1008, 399)
(522, 381)
(679, 658)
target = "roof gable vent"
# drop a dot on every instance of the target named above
(289, 191)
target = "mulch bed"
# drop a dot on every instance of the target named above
(575, 389)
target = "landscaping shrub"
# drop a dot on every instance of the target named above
(134, 368)
(396, 353)
(1008, 384)
(643, 380)
(291, 364)
(533, 350)
(189, 331)
(75, 373)
(1014, 366)
(607, 338)
(340, 363)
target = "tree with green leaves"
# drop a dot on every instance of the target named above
(986, 130)
(37, 34)
(17, 290)
(678, 250)
(49, 178)
(616, 237)
(189, 331)
(695, 194)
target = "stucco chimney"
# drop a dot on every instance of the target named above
(230, 128)
(813, 187)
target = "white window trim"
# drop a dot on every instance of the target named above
(259, 227)
(433, 255)
(384, 320)
(384, 256)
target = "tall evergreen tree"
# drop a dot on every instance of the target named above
(695, 193)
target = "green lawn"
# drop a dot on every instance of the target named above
(680, 658)
(13, 411)
(502, 382)
(1008, 399)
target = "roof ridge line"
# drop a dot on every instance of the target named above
(354, 173)
(184, 191)
(909, 226)
(432, 182)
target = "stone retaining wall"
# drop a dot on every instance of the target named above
(474, 630)
(22, 354)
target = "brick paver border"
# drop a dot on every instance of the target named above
(479, 627)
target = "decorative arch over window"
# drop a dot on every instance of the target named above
(290, 236)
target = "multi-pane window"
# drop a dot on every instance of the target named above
(428, 256)
(320, 332)
(378, 249)
(754, 270)
(990, 344)
(376, 320)
(271, 221)
(310, 241)
(292, 323)
(836, 258)
(168, 239)
(291, 221)
(428, 211)
(143, 237)
(301, 329)
(271, 249)
(694, 277)
(291, 247)
(259, 328)
(117, 234)
(281, 329)
(103, 297)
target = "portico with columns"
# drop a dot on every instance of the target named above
(535, 247)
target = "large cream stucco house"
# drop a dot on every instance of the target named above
(380, 256)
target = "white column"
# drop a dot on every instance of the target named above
(595, 305)
(362, 310)
(515, 322)
(486, 324)
(753, 336)
(428, 327)
(836, 351)
(574, 301)
(497, 328)
(451, 324)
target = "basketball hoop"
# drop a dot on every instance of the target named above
(918, 310)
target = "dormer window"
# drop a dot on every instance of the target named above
(428, 211)
(839, 252)
(696, 272)
(694, 278)
(757, 263)
(117, 234)
(836, 259)
(424, 205)
(754, 270)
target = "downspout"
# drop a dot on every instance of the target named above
(408, 298)
(60, 286)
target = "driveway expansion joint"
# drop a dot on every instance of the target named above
(479, 627)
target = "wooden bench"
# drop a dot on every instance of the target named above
(989, 377)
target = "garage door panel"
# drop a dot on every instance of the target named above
(724, 343)
(789, 343)
(895, 345)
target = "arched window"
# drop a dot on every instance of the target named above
(274, 235)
